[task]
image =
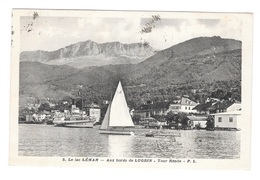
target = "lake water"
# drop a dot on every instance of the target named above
(47, 140)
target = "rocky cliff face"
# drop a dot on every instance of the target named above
(90, 53)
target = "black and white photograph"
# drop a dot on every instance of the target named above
(131, 88)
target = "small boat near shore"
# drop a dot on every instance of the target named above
(156, 134)
(149, 135)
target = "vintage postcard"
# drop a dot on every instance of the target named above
(131, 89)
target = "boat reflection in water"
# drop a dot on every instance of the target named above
(120, 146)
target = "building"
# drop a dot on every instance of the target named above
(197, 121)
(234, 107)
(152, 109)
(227, 120)
(204, 108)
(33, 106)
(74, 110)
(152, 122)
(183, 105)
(29, 118)
(94, 111)
(211, 107)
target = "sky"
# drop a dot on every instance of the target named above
(52, 33)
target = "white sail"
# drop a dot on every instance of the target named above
(105, 122)
(119, 112)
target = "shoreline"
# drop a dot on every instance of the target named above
(143, 128)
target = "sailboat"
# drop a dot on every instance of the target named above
(117, 116)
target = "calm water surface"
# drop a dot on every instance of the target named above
(47, 140)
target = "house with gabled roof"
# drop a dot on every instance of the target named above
(204, 108)
(183, 105)
(217, 107)
(234, 107)
(149, 110)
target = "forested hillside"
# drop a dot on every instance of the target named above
(200, 67)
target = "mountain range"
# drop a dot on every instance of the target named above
(197, 63)
(90, 53)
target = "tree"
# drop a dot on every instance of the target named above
(182, 118)
(210, 123)
(176, 119)
(228, 96)
(198, 126)
(172, 119)
(79, 104)
(61, 106)
(159, 117)
(136, 119)
(219, 93)
(44, 107)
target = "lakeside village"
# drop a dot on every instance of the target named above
(182, 113)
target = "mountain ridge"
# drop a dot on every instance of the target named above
(195, 47)
(89, 52)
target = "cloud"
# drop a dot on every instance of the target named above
(89, 22)
(52, 33)
(173, 33)
(174, 23)
(209, 22)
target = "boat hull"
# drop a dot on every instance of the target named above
(149, 135)
(116, 132)
(85, 125)
(76, 124)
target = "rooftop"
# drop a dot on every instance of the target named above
(229, 113)
(185, 101)
(197, 118)
(154, 106)
(213, 105)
